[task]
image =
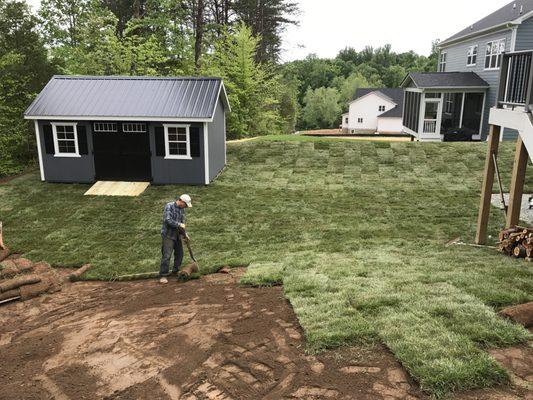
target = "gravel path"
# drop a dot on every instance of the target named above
(525, 214)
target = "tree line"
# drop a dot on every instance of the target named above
(238, 40)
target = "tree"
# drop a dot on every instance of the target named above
(267, 19)
(24, 70)
(251, 87)
(322, 109)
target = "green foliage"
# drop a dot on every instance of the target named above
(354, 230)
(24, 69)
(252, 88)
(322, 108)
(373, 68)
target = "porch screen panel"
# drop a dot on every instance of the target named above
(411, 116)
(451, 112)
(473, 112)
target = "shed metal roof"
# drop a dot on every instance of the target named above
(510, 13)
(443, 80)
(393, 94)
(128, 97)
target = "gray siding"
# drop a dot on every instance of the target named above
(68, 169)
(217, 138)
(524, 36)
(186, 172)
(456, 62)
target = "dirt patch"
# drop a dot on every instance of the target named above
(521, 314)
(203, 339)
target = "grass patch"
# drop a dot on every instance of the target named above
(354, 230)
(263, 275)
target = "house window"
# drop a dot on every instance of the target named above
(346, 120)
(133, 128)
(177, 142)
(65, 140)
(442, 62)
(359, 120)
(493, 58)
(104, 127)
(471, 58)
(381, 108)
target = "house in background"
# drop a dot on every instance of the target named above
(446, 105)
(158, 130)
(374, 111)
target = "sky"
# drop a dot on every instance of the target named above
(328, 26)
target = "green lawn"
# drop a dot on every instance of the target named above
(354, 230)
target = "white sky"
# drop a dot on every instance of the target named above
(328, 26)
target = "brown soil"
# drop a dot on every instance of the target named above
(204, 339)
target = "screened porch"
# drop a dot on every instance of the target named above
(444, 106)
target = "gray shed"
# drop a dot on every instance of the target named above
(158, 130)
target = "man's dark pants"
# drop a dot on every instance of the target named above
(170, 245)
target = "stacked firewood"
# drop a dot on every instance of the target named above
(21, 279)
(517, 242)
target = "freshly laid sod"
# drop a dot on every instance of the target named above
(355, 231)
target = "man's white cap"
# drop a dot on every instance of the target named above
(186, 199)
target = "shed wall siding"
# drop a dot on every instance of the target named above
(185, 172)
(457, 59)
(217, 138)
(68, 169)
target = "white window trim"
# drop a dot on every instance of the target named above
(106, 124)
(56, 144)
(504, 40)
(443, 63)
(176, 156)
(470, 55)
(134, 124)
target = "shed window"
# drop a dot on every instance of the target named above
(471, 58)
(493, 58)
(177, 141)
(133, 128)
(104, 127)
(65, 140)
(381, 108)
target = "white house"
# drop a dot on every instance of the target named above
(375, 111)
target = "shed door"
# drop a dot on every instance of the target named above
(122, 152)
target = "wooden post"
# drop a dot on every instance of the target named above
(517, 183)
(488, 182)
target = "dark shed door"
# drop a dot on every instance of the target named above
(122, 151)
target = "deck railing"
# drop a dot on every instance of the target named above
(516, 80)
(430, 126)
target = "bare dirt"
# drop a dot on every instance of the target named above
(203, 339)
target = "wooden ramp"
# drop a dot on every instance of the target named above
(109, 188)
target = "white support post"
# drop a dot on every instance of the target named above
(39, 151)
(206, 152)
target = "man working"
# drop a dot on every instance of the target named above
(171, 232)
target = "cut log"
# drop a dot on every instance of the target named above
(8, 269)
(9, 294)
(521, 314)
(188, 270)
(142, 275)
(79, 272)
(4, 253)
(23, 264)
(39, 288)
(19, 282)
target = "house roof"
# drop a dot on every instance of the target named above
(442, 80)
(395, 95)
(509, 14)
(128, 97)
